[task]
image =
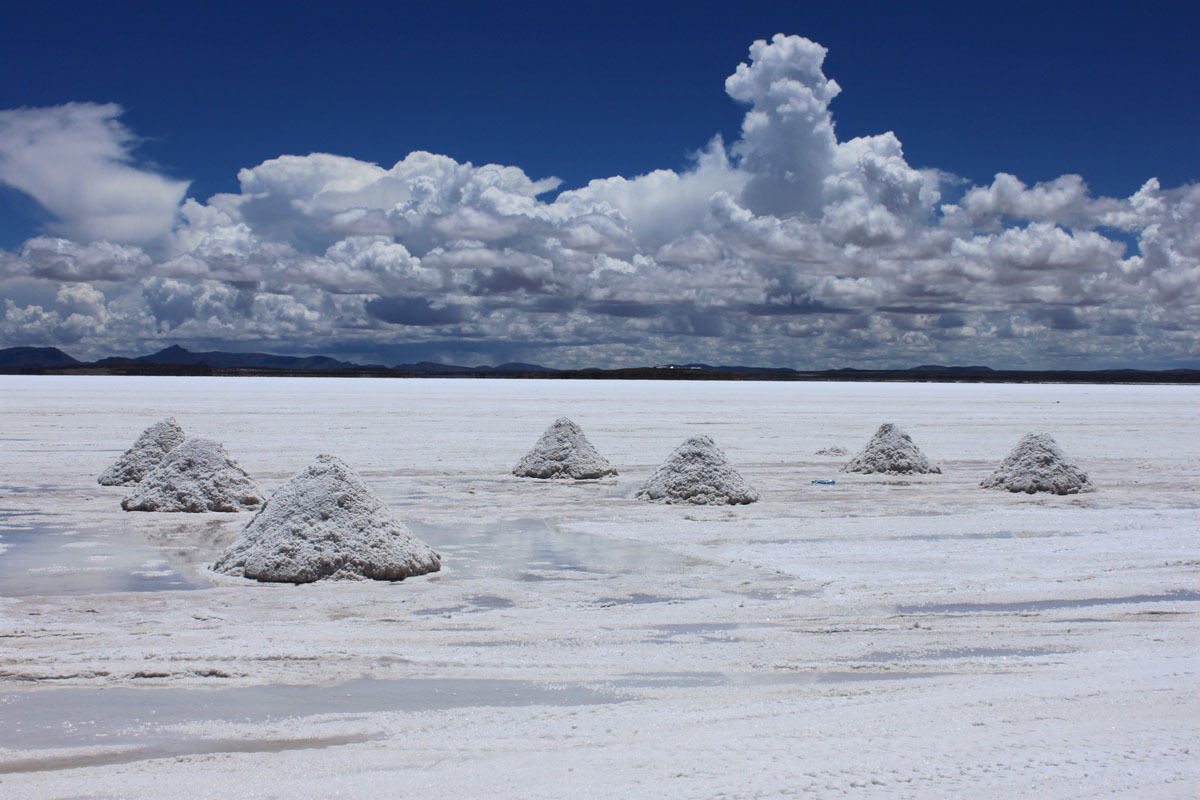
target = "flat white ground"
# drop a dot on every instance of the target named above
(889, 637)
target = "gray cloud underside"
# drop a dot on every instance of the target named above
(786, 246)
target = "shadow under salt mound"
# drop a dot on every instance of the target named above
(57, 718)
(532, 550)
(49, 559)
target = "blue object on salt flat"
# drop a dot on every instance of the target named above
(824, 482)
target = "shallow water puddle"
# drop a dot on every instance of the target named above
(48, 559)
(131, 716)
(531, 550)
(954, 653)
(1177, 595)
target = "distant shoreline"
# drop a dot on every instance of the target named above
(915, 375)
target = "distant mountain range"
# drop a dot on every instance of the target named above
(176, 360)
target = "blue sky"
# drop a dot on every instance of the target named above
(587, 91)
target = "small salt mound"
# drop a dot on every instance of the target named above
(1036, 464)
(146, 454)
(832, 451)
(196, 476)
(890, 450)
(563, 452)
(697, 472)
(324, 522)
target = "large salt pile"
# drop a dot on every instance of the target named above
(146, 454)
(697, 472)
(325, 523)
(563, 452)
(1037, 464)
(198, 475)
(890, 450)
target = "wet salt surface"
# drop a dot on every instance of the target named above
(1177, 595)
(142, 720)
(48, 558)
(56, 718)
(534, 550)
(51, 557)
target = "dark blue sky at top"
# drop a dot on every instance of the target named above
(584, 90)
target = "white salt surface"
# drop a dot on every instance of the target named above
(889, 636)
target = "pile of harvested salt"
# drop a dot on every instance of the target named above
(146, 454)
(563, 452)
(1037, 464)
(890, 450)
(832, 451)
(324, 522)
(196, 476)
(697, 472)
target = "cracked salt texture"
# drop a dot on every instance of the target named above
(324, 522)
(146, 453)
(563, 452)
(196, 476)
(697, 472)
(892, 451)
(1037, 464)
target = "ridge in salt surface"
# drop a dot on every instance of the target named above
(697, 472)
(196, 476)
(563, 452)
(146, 453)
(1037, 464)
(891, 451)
(324, 522)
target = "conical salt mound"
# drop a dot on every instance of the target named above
(563, 452)
(147, 453)
(324, 522)
(198, 475)
(890, 450)
(697, 472)
(1036, 464)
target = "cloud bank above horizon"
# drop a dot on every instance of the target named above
(785, 247)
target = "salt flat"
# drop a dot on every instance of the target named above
(884, 636)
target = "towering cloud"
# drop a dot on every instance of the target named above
(786, 246)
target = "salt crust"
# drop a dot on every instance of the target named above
(892, 451)
(1037, 464)
(324, 522)
(697, 472)
(196, 476)
(563, 452)
(145, 454)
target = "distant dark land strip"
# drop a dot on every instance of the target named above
(180, 362)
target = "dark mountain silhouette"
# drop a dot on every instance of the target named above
(34, 357)
(176, 360)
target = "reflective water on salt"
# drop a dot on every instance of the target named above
(42, 557)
